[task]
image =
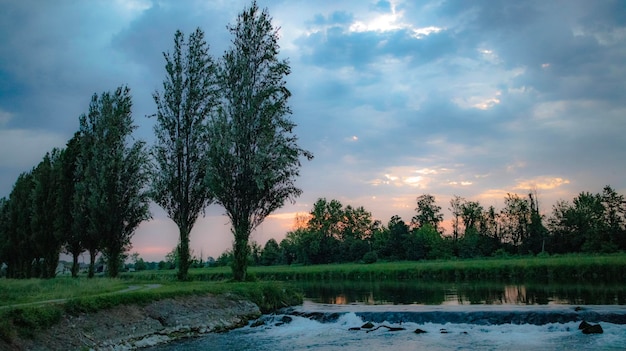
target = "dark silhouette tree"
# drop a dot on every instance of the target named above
(47, 241)
(180, 153)
(65, 217)
(114, 177)
(254, 155)
(428, 212)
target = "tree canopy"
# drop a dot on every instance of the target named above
(254, 157)
(182, 137)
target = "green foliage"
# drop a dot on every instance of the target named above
(182, 141)
(254, 157)
(27, 321)
(65, 223)
(114, 176)
(428, 212)
(370, 257)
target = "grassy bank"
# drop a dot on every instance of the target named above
(27, 306)
(565, 269)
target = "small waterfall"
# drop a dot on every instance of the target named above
(479, 316)
(400, 327)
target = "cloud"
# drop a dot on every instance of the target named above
(541, 183)
(475, 98)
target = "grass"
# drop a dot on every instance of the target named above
(23, 314)
(67, 295)
(566, 268)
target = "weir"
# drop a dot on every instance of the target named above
(467, 314)
(314, 327)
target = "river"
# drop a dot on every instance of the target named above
(453, 316)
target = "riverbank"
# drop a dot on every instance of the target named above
(128, 327)
(132, 317)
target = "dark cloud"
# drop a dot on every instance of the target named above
(476, 98)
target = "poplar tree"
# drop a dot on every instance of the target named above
(254, 156)
(65, 224)
(180, 152)
(47, 242)
(114, 177)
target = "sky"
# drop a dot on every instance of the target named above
(395, 99)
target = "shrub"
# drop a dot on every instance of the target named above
(370, 257)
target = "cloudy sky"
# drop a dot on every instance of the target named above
(394, 98)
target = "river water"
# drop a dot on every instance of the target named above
(453, 317)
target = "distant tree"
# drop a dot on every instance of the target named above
(21, 250)
(456, 208)
(47, 241)
(180, 153)
(396, 235)
(172, 258)
(254, 258)
(471, 214)
(254, 156)
(4, 230)
(560, 225)
(271, 253)
(535, 240)
(114, 176)
(64, 224)
(138, 263)
(614, 217)
(515, 219)
(427, 212)
(587, 217)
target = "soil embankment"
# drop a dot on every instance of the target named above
(129, 327)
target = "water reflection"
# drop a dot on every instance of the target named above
(402, 292)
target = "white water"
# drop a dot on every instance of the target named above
(306, 334)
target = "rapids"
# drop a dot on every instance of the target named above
(314, 326)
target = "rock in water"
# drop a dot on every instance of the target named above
(583, 325)
(420, 331)
(257, 323)
(368, 325)
(593, 329)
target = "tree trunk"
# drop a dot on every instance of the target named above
(92, 263)
(183, 254)
(51, 262)
(241, 251)
(113, 263)
(74, 265)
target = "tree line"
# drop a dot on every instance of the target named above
(333, 233)
(223, 135)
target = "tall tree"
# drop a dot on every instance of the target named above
(535, 241)
(4, 231)
(65, 217)
(180, 153)
(115, 176)
(515, 218)
(456, 208)
(20, 256)
(255, 157)
(471, 214)
(428, 212)
(614, 217)
(44, 200)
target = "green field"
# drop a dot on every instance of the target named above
(564, 269)
(28, 305)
